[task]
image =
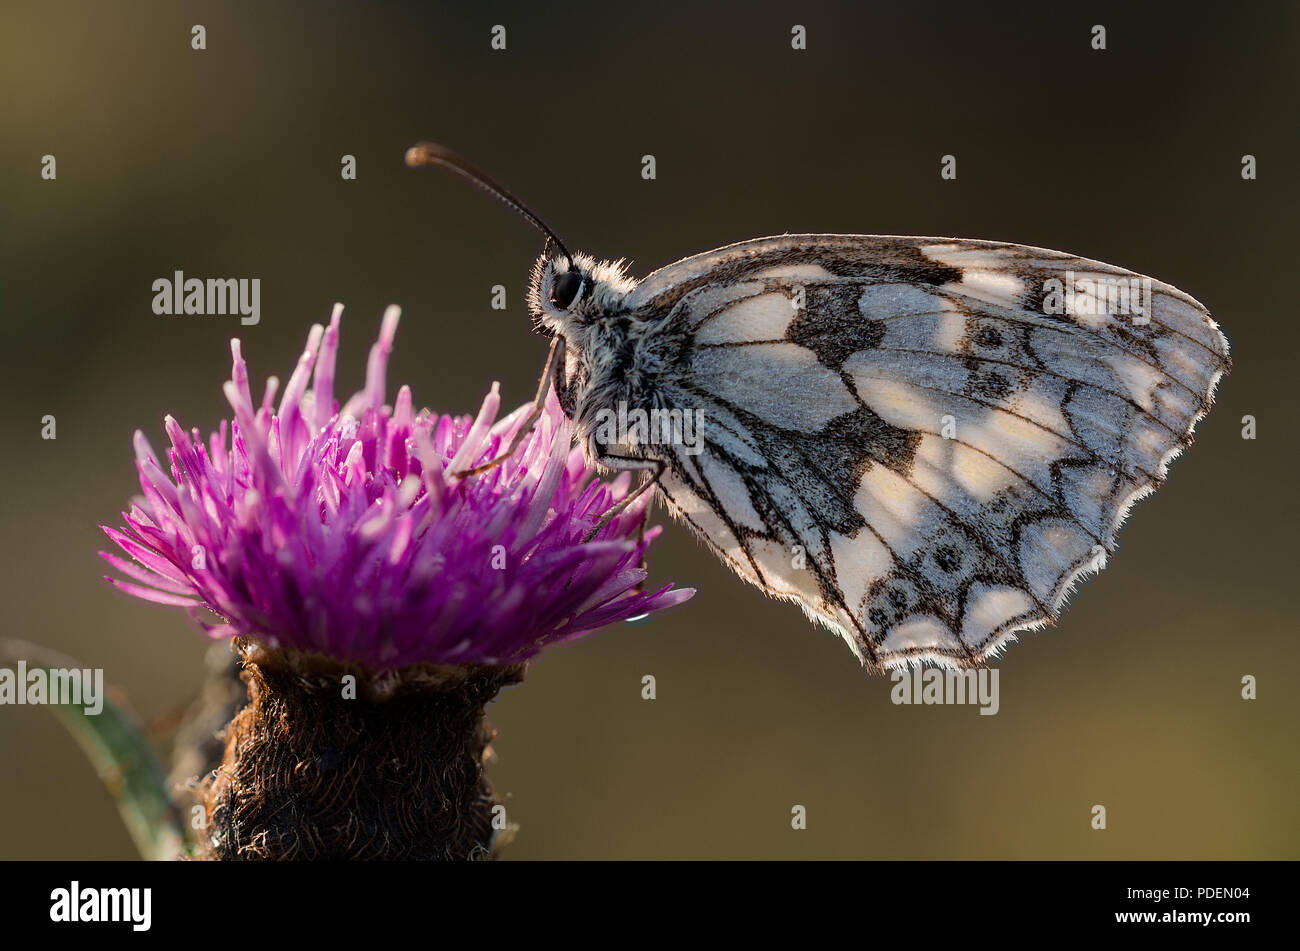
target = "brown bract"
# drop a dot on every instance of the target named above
(390, 765)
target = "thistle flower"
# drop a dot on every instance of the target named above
(348, 533)
(377, 598)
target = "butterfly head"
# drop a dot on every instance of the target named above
(567, 296)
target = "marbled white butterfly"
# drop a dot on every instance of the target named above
(924, 442)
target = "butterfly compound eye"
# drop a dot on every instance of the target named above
(565, 289)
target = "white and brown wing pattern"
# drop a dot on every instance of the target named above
(925, 442)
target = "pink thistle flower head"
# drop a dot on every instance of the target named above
(347, 531)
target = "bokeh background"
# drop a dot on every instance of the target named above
(225, 162)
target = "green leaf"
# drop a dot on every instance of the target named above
(123, 758)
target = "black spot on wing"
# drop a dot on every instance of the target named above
(948, 558)
(990, 383)
(831, 326)
(857, 439)
(888, 262)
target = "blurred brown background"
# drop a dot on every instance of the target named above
(225, 162)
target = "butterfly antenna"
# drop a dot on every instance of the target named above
(430, 153)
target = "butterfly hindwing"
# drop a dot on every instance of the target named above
(923, 441)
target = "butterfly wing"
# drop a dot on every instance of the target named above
(925, 442)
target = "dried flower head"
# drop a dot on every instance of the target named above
(347, 531)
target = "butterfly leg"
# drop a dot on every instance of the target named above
(539, 402)
(640, 539)
(628, 462)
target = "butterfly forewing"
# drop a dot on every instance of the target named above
(923, 441)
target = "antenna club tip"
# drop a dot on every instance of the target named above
(417, 155)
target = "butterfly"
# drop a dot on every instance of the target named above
(923, 442)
